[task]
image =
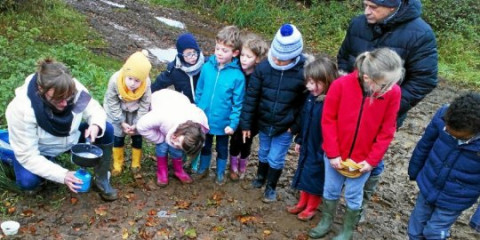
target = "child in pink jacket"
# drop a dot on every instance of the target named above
(175, 125)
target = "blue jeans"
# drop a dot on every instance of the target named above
(378, 169)
(162, 149)
(334, 182)
(221, 145)
(272, 150)
(26, 180)
(430, 222)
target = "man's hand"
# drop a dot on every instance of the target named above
(92, 132)
(72, 182)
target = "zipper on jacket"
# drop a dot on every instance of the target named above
(191, 86)
(275, 104)
(213, 93)
(358, 125)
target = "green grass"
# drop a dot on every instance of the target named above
(323, 26)
(32, 32)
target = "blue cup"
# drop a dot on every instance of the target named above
(86, 178)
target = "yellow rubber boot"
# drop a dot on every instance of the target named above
(118, 159)
(136, 158)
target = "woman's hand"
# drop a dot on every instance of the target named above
(72, 182)
(92, 132)
(366, 167)
(297, 147)
(335, 162)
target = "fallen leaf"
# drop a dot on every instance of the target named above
(11, 210)
(102, 211)
(124, 233)
(76, 229)
(163, 232)
(27, 213)
(247, 219)
(151, 222)
(302, 236)
(32, 229)
(73, 200)
(190, 233)
(152, 212)
(181, 204)
(131, 222)
(7, 203)
(218, 228)
(91, 221)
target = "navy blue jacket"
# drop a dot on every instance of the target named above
(178, 78)
(408, 35)
(448, 174)
(274, 98)
(310, 174)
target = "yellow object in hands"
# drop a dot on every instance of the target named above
(350, 168)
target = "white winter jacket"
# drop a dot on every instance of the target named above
(31, 143)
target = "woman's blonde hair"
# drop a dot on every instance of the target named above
(320, 69)
(55, 75)
(381, 64)
(194, 137)
(256, 44)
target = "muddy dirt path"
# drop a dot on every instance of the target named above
(203, 209)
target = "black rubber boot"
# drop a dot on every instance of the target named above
(270, 194)
(261, 175)
(102, 178)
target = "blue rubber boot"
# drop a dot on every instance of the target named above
(204, 167)
(221, 166)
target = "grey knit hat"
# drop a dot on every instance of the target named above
(387, 3)
(287, 44)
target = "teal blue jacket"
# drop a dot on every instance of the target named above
(220, 94)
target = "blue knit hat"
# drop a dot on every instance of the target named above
(186, 40)
(387, 3)
(287, 44)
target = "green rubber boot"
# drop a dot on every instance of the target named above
(349, 223)
(329, 208)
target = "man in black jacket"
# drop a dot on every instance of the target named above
(395, 24)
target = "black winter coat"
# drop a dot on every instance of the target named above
(179, 79)
(310, 174)
(408, 35)
(274, 98)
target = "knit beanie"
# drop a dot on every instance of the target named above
(387, 3)
(287, 44)
(137, 66)
(186, 40)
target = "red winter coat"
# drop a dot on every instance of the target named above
(357, 126)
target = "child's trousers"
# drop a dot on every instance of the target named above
(430, 222)
(353, 186)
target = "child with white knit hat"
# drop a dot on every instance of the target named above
(274, 97)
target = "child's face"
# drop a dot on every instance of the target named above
(132, 83)
(248, 59)
(177, 141)
(190, 56)
(315, 88)
(281, 63)
(462, 135)
(224, 53)
(379, 86)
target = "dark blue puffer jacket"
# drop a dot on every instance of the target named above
(274, 99)
(408, 35)
(447, 174)
(180, 80)
(310, 174)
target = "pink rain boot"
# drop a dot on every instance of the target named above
(234, 168)
(179, 172)
(242, 167)
(162, 171)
